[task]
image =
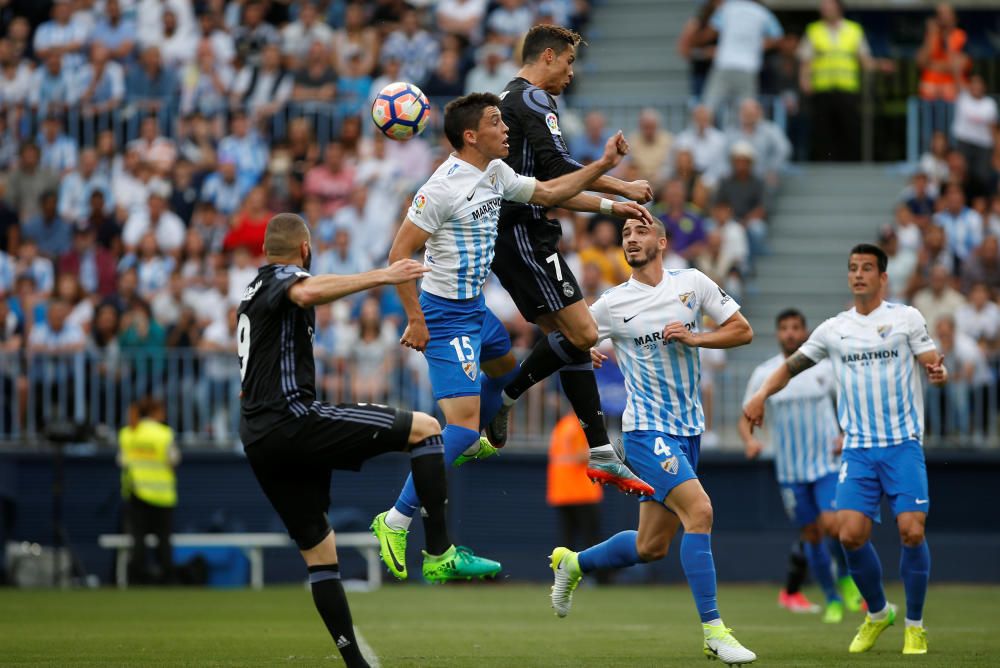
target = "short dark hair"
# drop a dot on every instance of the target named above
(790, 313)
(463, 113)
(543, 37)
(872, 249)
(283, 235)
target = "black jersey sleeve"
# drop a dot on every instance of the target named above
(541, 129)
(275, 292)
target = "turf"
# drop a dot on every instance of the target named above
(477, 625)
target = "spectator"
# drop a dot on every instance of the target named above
(731, 259)
(263, 88)
(52, 234)
(212, 29)
(150, 88)
(919, 201)
(832, 53)
(371, 354)
(186, 332)
(206, 83)
(59, 152)
(938, 300)
(7, 274)
(510, 21)
(61, 37)
(51, 87)
(983, 266)
(130, 187)
(902, 264)
(81, 313)
(605, 252)
(706, 143)
(493, 71)
(746, 195)
(298, 36)
(651, 144)
(415, 48)
(975, 130)
(969, 376)
(16, 77)
(115, 33)
(353, 87)
(907, 230)
(222, 189)
(166, 305)
(446, 82)
(142, 343)
(77, 186)
(51, 341)
(250, 223)
(934, 162)
(28, 181)
(38, 268)
(152, 269)
(99, 87)
(316, 80)
(253, 33)
(155, 149)
(942, 64)
(693, 46)
(771, 147)
(332, 181)
(745, 29)
(590, 145)
(10, 226)
(241, 274)
(357, 37)
(167, 228)
(684, 171)
(461, 17)
(219, 342)
(963, 227)
(177, 46)
(685, 229)
(94, 266)
(980, 319)
(246, 148)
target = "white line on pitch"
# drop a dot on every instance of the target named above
(366, 650)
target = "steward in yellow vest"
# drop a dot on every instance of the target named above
(148, 457)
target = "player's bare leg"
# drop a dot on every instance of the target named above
(330, 599)
(570, 334)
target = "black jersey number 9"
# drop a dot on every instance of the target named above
(243, 343)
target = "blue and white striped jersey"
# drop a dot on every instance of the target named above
(880, 399)
(661, 378)
(459, 207)
(801, 420)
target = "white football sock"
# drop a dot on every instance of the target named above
(918, 623)
(603, 448)
(397, 520)
(880, 615)
(507, 401)
(472, 449)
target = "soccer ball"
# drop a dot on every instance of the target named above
(401, 111)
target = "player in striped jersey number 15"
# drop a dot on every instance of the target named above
(880, 407)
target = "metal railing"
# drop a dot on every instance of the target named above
(200, 392)
(923, 118)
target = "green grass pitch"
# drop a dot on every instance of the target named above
(477, 625)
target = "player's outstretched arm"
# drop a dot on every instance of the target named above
(554, 191)
(639, 191)
(325, 288)
(753, 447)
(408, 241)
(933, 362)
(592, 204)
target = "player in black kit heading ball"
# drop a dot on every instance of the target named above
(293, 441)
(529, 264)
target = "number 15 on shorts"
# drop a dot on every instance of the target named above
(466, 354)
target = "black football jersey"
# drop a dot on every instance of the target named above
(537, 147)
(274, 339)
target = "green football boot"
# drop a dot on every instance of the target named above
(485, 451)
(834, 612)
(458, 563)
(567, 574)
(870, 630)
(852, 597)
(392, 545)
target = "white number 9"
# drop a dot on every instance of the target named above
(243, 343)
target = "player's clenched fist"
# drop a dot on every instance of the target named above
(753, 411)
(615, 149)
(402, 271)
(640, 191)
(937, 374)
(416, 335)
(677, 331)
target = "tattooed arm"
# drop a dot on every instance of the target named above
(753, 411)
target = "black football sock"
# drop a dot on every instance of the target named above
(580, 387)
(331, 602)
(798, 567)
(431, 484)
(549, 355)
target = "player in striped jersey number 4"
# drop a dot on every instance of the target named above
(652, 320)
(880, 407)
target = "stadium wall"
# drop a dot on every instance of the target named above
(499, 509)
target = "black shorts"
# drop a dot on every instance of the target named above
(293, 463)
(531, 268)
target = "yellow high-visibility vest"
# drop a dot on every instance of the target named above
(835, 64)
(145, 458)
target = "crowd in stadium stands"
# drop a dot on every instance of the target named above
(144, 144)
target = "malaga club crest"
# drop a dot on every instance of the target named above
(884, 330)
(670, 465)
(688, 299)
(470, 369)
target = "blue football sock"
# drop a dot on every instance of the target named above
(490, 400)
(699, 567)
(866, 569)
(915, 571)
(822, 567)
(618, 551)
(456, 441)
(839, 558)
